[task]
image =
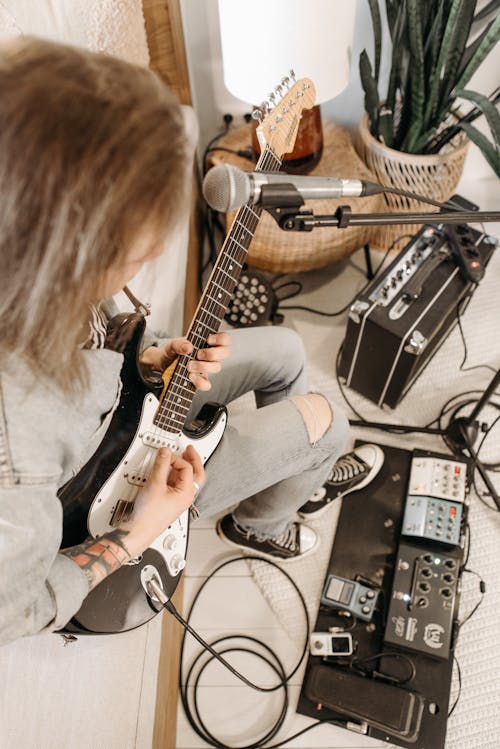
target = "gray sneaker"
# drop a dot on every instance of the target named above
(351, 472)
(297, 541)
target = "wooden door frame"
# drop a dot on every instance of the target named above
(167, 52)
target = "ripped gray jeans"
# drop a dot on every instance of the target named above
(265, 461)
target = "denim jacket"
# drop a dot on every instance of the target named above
(45, 438)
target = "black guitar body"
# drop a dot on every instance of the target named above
(119, 603)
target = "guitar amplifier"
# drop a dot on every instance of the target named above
(401, 318)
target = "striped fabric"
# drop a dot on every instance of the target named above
(98, 324)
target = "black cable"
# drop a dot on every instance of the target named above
(482, 589)
(416, 196)
(462, 335)
(459, 674)
(467, 547)
(192, 712)
(243, 153)
(210, 145)
(388, 654)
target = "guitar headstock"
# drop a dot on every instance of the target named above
(278, 126)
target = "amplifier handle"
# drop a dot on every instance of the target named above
(413, 289)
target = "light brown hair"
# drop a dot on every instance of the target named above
(92, 152)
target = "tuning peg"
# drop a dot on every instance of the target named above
(265, 107)
(291, 73)
(257, 114)
(285, 81)
(279, 89)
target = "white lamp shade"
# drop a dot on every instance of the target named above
(263, 40)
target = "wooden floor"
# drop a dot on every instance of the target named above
(232, 603)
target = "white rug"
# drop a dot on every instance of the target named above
(475, 724)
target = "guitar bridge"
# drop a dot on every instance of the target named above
(121, 513)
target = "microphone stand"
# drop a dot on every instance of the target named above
(283, 202)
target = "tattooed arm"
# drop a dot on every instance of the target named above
(169, 491)
(99, 558)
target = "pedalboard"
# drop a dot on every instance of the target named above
(423, 599)
(396, 685)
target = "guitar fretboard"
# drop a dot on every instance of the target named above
(174, 407)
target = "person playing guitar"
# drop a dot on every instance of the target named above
(94, 171)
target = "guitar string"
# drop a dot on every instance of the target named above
(244, 219)
(180, 375)
(243, 228)
(248, 220)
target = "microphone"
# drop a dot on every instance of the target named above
(226, 187)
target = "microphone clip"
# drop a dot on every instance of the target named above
(282, 195)
(282, 202)
(289, 219)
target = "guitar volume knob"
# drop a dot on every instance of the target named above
(170, 541)
(177, 563)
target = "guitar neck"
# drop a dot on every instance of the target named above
(179, 394)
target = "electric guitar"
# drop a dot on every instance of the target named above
(101, 496)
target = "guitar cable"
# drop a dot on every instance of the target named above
(269, 657)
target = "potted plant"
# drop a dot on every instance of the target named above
(415, 137)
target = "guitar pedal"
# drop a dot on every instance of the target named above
(331, 644)
(349, 595)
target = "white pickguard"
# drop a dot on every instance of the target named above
(133, 472)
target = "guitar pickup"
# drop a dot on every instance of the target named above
(122, 512)
(153, 439)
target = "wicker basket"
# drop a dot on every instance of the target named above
(276, 250)
(434, 176)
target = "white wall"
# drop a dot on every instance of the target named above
(212, 100)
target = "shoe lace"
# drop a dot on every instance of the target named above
(288, 540)
(346, 468)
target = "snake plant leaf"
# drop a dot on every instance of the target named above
(417, 69)
(377, 34)
(371, 91)
(487, 43)
(433, 40)
(393, 12)
(458, 42)
(471, 49)
(490, 153)
(487, 108)
(433, 96)
(448, 133)
(485, 12)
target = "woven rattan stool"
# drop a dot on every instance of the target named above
(276, 250)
